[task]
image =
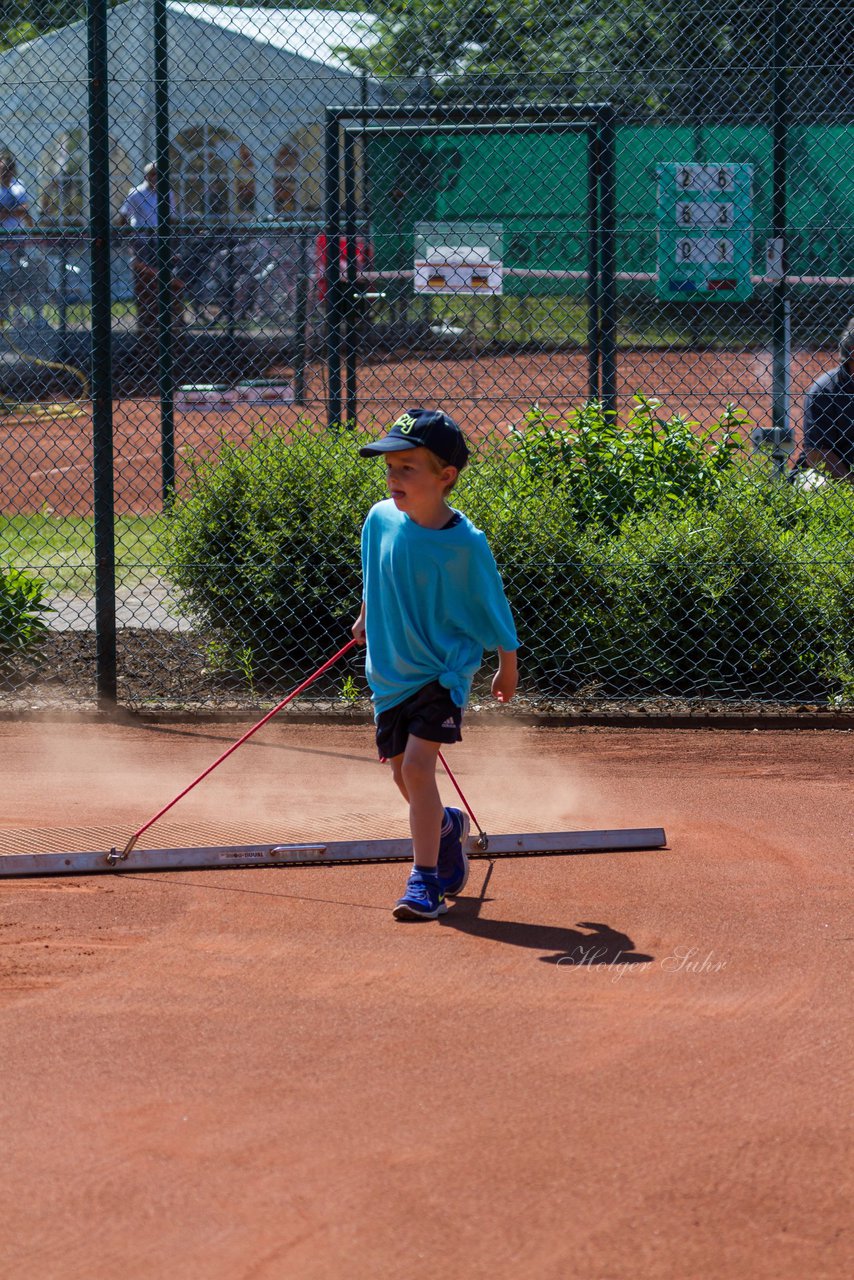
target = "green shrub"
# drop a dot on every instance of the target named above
(607, 471)
(752, 598)
(265, 546)
(22, 604)
(716, 602)
(538, 546)
(731, 585)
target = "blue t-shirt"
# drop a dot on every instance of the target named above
(434, 601)
(13, 202)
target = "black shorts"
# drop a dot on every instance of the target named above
(430, 714)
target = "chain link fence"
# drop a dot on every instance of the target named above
(615, 242)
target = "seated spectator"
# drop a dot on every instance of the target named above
(829, 416)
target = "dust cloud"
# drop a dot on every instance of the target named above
(288, 783)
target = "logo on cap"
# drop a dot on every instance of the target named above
(427, 428)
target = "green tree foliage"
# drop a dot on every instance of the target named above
(679, 54)
(501, 38)
(25, 19)
(685, 55)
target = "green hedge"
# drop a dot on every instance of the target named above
(653, 560)
(265, 545)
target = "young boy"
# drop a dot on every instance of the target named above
(432, 602)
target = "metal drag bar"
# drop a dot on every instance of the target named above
(338, 851)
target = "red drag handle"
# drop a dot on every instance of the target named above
(269, 716)
(446, 767)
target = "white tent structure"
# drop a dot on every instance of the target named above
(247, 88)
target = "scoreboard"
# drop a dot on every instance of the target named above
(705, 230)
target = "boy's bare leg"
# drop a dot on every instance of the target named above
(396, 763)
(417, 781)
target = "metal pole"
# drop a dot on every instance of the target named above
(608, 258)
(301, 316)
(594, 334)
(63, 285)
(165, 334)
(780, 305)
(332, 212)
(351, 310)
(230, 288)
(102, 389)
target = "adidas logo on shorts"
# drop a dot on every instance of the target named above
(450, 723)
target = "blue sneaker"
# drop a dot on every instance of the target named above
(423, 900)
(453, 865)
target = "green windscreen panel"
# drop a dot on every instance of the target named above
(533, 185)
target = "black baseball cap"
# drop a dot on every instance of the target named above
(428, 428)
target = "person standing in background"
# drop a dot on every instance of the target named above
(139, 212)
(14, 214)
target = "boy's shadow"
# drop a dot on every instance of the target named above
(601, 946)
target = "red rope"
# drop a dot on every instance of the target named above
(269, 716)
(469, 809)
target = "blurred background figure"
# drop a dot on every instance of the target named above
(829, 416)
(14, 200)
(14, 215)
(139, 212)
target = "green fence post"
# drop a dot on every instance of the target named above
(608, 258)
(593, 309)
(332, 216)
(63, 287)
(780, 304)
(301, 312)
(165, 308)
(351, 309)
(102, 389)
(231, 287)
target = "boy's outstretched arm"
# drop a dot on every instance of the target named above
(359, 626)
(506, 678)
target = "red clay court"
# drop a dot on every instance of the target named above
(49, 463)
(631, 1066)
